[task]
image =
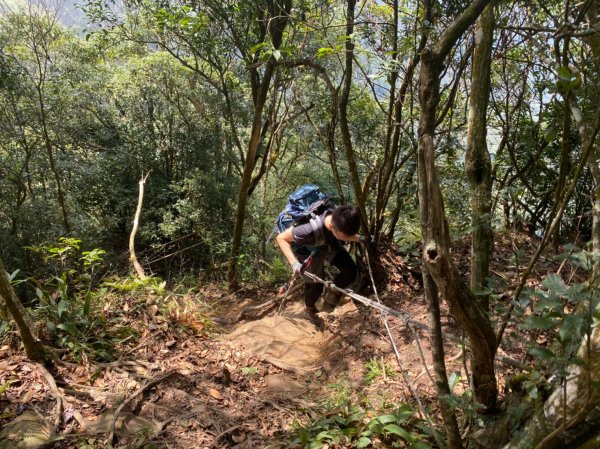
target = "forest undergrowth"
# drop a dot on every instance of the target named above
(142, 364)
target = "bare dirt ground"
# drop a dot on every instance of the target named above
(243, 383)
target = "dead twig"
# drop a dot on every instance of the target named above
(256, 310)
(139, 391)
(160, 428)
(132, 257)
(225, 432)
(73, 386)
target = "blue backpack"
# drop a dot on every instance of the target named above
(305, 205)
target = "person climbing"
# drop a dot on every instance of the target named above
(321, 240)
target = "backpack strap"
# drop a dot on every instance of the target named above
(317, 226)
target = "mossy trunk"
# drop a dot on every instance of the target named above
(434, 225)
(478, 164)
(33, 347)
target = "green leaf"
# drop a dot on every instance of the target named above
(62, 307)
(555, 284)
(548, 304)
(324, 51)
(5, 385)
(538, 322)
(397, 430)
(51, 326)
(13, 274)
(288, 50)
(550, 134)
(453, 380)
(258, 47)
(87, 303)
(564, 73)
(338, 420)
(68, 327)
(542, 353)
(419, 445)
(570, 328)
(385, 419)
(358, 416)
(403, 413)
(363, 442)
(324, 435)
(249, 370)
(374, 76)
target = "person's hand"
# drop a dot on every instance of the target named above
(364, 239)
(297, 268)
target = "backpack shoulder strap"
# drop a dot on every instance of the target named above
(317, 226)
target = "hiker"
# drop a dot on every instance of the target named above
(299, 242)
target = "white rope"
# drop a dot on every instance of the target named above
(397, 354)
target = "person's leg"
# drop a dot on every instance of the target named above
(312, 290)
(347, 273)
(344, 263)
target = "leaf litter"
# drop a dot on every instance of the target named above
(240, 384)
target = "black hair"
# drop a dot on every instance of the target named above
(346, 219)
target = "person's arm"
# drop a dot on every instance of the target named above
(285, 240)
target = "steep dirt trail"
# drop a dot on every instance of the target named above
(287, 340)
(243, 386)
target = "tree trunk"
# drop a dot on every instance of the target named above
(437, 354)
(434, 226)
(390, 166)
(594, 162)
(392, 124)
(279, 14)
(33, 347)
(380, 275)
(51, 161)
(343, 114)
(240, 215)
(477, 160)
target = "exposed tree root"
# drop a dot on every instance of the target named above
(139, 391)
(60, 399)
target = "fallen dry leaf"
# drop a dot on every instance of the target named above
(215, 394)
(27, 397)
(4, 366)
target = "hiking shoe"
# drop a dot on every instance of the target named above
(310, 313)
(330, 301)
(327, 307)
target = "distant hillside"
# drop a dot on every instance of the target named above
(69, 13)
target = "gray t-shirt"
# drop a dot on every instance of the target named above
(304, 235)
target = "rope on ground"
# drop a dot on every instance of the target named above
(406, 320)
(397, 354)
